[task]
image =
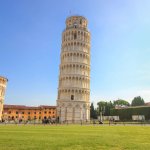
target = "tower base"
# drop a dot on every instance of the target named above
(77, 112)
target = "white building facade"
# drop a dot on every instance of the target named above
(3, 83)
(73, 102)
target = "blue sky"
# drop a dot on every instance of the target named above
(30, 45)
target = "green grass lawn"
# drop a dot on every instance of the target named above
(74, 137)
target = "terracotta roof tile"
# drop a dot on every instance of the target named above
(27, 107)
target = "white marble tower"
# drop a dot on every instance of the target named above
(73, 103)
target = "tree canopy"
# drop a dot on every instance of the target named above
(93, 112)
(104, 107)
(137, 101)
(121, 102)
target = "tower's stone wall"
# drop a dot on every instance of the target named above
(73, 103)
(3, 82)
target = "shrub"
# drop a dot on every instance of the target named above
(126, 113)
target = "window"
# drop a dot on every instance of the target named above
(45, 112)
(9, 112)
(29, 113)
(16, 112)
(75, 36)
(72, 97)
(39, 112)
(75, 25)
(80, 21)
(22, 112)
(34, 112)
(49, 112)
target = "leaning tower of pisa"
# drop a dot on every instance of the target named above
(73, 102)
(3, 82)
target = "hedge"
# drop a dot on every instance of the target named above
(126, 113)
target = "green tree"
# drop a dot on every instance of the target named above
(93, 112)
(109, 106)
(104, 107)
(137, 101)
(101, 106)
(121, 102)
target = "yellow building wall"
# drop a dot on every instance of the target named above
(29, 114)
